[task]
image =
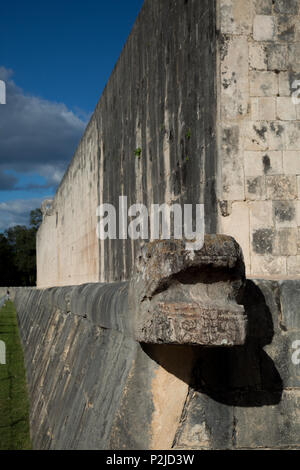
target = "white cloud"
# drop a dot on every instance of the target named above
(17, 212)
(37, 136)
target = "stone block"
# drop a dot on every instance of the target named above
(255, 188)
(235, 18)
(263, 241)
(271, 298)
(291, 162)
(297, 203)
(294, 56)
(281, 187)
(286, 242)
(285, 214)
(286, 28)
(281, 420)
(276, 56)
(264, 28)
(237, 225)
(297, 29)
(284, 84)
(255, 135)
(272, 162)
(268, 265)
(263, 83)
(208, 424)
(283, 353)
(288, 7)
(292, 135)
(263, 7)
(235, 85)
(290, 302)
(263, 109)
(232, 165)
(257, 56)
(293, 265)
(286, 110)
(260, 163)
(253, 164)
(261, 215)
(276, 135)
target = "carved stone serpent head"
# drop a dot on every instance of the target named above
(186, 297)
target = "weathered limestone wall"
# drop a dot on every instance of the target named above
(3, 291)
(203, 89)
(67, 245)
(161, 99)
(259, 132)
(12, 291)
(92, 386)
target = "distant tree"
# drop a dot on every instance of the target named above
(7, 267)
(36, 218)
(22, 242)
(18, 253)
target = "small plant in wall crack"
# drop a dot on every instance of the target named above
(188, 134)
(138, 152)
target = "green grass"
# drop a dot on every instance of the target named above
(14, 409)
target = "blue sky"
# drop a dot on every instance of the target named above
(55, 58)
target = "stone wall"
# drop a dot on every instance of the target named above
(197, 109)
(259, 132)
(150, 138)
(92, 386)
(3, 291)
(12, 291)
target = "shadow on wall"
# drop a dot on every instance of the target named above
(240, 376)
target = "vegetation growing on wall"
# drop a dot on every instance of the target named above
(138, 152)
